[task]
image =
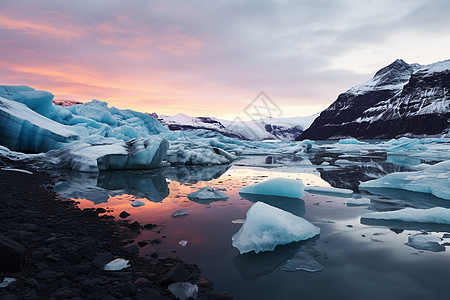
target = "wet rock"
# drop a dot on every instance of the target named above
(12, 255)
(102, 259)
(135, 225)
(147, 293)
(150, 226)
(177, 273)
(142, 243)
(133, 249)
(124, 215)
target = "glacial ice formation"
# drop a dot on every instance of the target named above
(266, 226)
(358, 201)
(280, 187)
(425, 241)
(350, 142)
(109, 154)
(207, 193)
(433, 180)
(438, 215)
(24, 130)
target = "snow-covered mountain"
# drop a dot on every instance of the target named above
(262, 129)
(400, 100)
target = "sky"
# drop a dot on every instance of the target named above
(212, 58)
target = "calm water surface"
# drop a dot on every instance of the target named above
(361, 261)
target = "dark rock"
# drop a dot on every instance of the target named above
(150, 226)
(133, 249)
(147, 293)
(124, 215)
(155, 242)
(154, 254)
(128, 289)
(12, 255)
(177, 273)
(102, 259)
(72, 258)
(142, 243)
(142, 282)
(223, 296)
(65, 293)
(9, 297)
(135, 225)
(46, 274)
(88, 253)
(101, 210)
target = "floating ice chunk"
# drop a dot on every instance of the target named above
(24, 130)
(7, 281)
(116, 265)
(207, 193)
(95, 153)
(197, 153)
(434, 180)
(137, 203)
(302, 261)
(184, 290)
(358, 201)
(437, 215)
(266, 227)
(425, 241)
(350, 142)
(180, 212)
(17, 170)
(281, 187)
(328, 190)
(183, 243)
(238, 221)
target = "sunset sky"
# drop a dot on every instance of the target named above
(212, 58)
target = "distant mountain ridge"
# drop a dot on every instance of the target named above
(262, 129)
(400, 100)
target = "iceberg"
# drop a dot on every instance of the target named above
(38, 101)
(425, 241)
(358, 201)
(116, 265)
(327, 190)
(137, 203)
(438, 215)
(350, 142)
(183, 290)
(266, 226)
(207, 193)
(24, 130)
(433, 180)
(280, 187)
(93, 155)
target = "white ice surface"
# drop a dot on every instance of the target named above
(358, 201)
(116, 265)
(281, 187)
(17, 170)
(437, 215)
(266, 226)
(7, 281)
(207, 193)
(183, 290)
(433, 180)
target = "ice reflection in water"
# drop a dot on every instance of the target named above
(347, 248)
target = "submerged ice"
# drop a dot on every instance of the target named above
(280, 187)
(266, 226)
(425, 241)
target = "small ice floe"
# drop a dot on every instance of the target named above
(302, 261)
(7, 281)
(358, 201)
(180, 213)
(350, 142)
(281, 187)
(425, 241)
(433, 180)
(327, 190)
(17, 170)
(437, 215)
(183, 243)
(137, 203)
(266, 227)
(183, 290)
(238, 221)
(116, 265)
(207, 193)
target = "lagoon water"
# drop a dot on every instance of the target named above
(361, 260)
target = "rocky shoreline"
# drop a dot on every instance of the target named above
(55, 250)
